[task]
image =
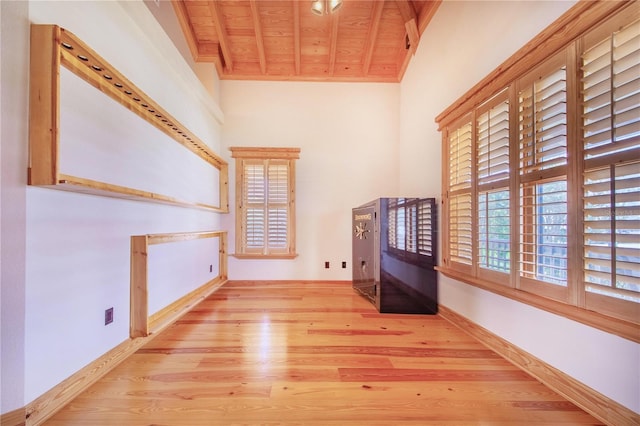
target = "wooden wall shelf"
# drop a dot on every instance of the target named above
(53, 46)
(141, 323)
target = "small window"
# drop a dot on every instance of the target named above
(265, 202)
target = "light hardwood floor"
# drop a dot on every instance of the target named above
(314, 354)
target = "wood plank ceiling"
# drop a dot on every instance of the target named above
(371, 41)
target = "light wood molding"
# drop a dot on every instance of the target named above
(257, 152)
(93, 187)
(593, 402)
(51, 47)
(14, 418)
(624, 329)
(141, 323)
(582, 16)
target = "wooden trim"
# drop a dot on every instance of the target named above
(603, 408)
(16, 417)
(94, 187)
(282, 256)
(625, 329)
(370, 43)
(257, 25)
(51, 47)
(581, 17)
(287, 282)
(182, 236)
(138, 302)
(265, 153)
(44, 98)
(141, 323)
(175, 310)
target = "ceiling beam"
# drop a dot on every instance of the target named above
(225, 46)
(410, 19)
(376, 15)
(180, 10)
(333, 49)
(296, 35)
(257, 25)
(428, 10)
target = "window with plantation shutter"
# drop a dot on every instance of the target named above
(610, 66)
(492, 159)
(541, 172)
(265, 202)
(543, 153)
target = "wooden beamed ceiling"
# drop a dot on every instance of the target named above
(369, 41)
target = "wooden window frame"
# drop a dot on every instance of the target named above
(562, 38)
(264, 154)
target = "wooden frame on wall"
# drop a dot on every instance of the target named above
(53, 46)
(141, 323)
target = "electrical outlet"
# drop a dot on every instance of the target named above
(344, 265)
(108, 316)
(326, 265)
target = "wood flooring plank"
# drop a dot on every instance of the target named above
(261, 353)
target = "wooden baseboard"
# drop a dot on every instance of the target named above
(60, 395)
(175, 310)
(593, 402)
(14, 418)
(289, 282)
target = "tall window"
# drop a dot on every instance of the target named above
(265, 202)
(542, 179)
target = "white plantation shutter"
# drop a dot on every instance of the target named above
(460, 153)
(612, 231)
(611, 198)
(278, 204)
(542, 124)
(611, 92)
(543, 121)
(492, 159)
(254, 199)
(460, 156)
(460, 220)
(264, 202)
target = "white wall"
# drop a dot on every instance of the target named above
(464, 43)
(348, 135)
(14, 33)
(73, 262)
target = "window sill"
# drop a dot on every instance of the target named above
(622, 328)
(265, 256)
